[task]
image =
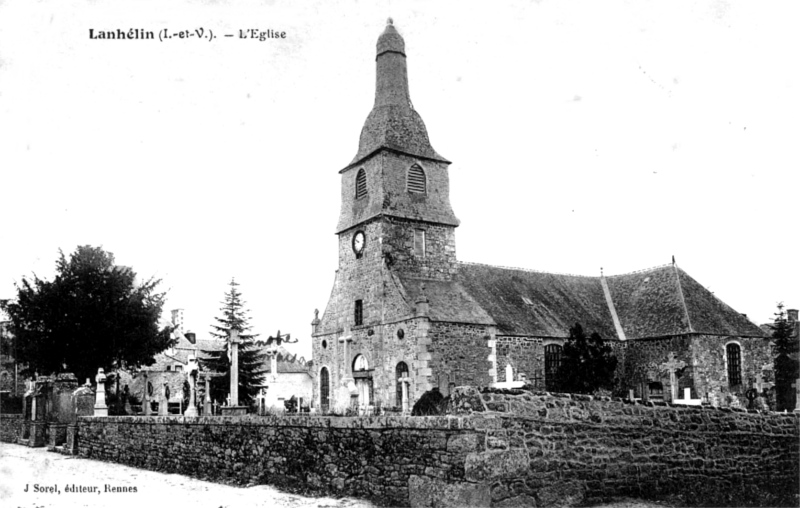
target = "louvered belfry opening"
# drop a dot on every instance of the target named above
(416, 180)
(361, 184)
(734, 365)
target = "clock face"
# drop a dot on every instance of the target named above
(358, 242)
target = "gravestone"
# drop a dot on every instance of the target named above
(83, 400)
(100, 407)
(38, 423)
(163, 401)
(60, 408)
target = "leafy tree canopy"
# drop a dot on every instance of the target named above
(93, 314)
(587, 363)
(251, 359)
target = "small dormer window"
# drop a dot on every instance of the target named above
(361, 183)
(416, 180)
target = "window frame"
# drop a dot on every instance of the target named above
(358, 312)
(419, 185)
(361, 184)
(734, 367)
(420, 247)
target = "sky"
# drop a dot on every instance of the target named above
(583, 134)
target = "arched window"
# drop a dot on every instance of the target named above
(416, 180)
(400, 372)
(552, 361)
(324, 390)
(360, 363)
(361, 183)
(734, 355)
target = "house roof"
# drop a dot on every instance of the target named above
(656, 302)
(288, 364)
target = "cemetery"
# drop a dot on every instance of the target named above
(489, 447)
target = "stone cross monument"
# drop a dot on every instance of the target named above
(191, 374)
(234, 352)
(672, 365)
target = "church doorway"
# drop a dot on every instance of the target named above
(363, 378)
(324, 390)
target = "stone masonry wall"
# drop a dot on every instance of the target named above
(501, 448)
(596, 450)
(459, 354)
(525, 355)
(711, 372)
(706, 370)
(10, 427)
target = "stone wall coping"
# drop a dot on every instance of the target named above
(662, 405)
(477, 421)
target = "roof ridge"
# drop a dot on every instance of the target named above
(643, 270)
(529, 270)
(683, 299)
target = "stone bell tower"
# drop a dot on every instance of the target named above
(396, 225)
(396, 190)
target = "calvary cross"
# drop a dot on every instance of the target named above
(672, 365)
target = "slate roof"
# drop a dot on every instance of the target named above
(288, 364)
(447, 301)
(393, 123)
(657, 302)
(649, 303)
(557, 301)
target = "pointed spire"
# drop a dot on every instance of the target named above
(393, 123)
(391, 86)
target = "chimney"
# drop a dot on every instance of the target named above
(792, 315)
(177, 318)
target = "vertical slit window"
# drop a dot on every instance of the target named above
(734, 354)
(419, 243)
(359, 313)
(416, 180)
(361, 183)
(324, 390)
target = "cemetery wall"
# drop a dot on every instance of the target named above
(498, 448)
(10, 427)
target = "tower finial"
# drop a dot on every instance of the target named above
(389, 21)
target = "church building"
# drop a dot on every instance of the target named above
(405, 316)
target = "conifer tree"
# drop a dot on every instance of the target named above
(784, 351)
(251, 359)
(93, 314)
(587, 363)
